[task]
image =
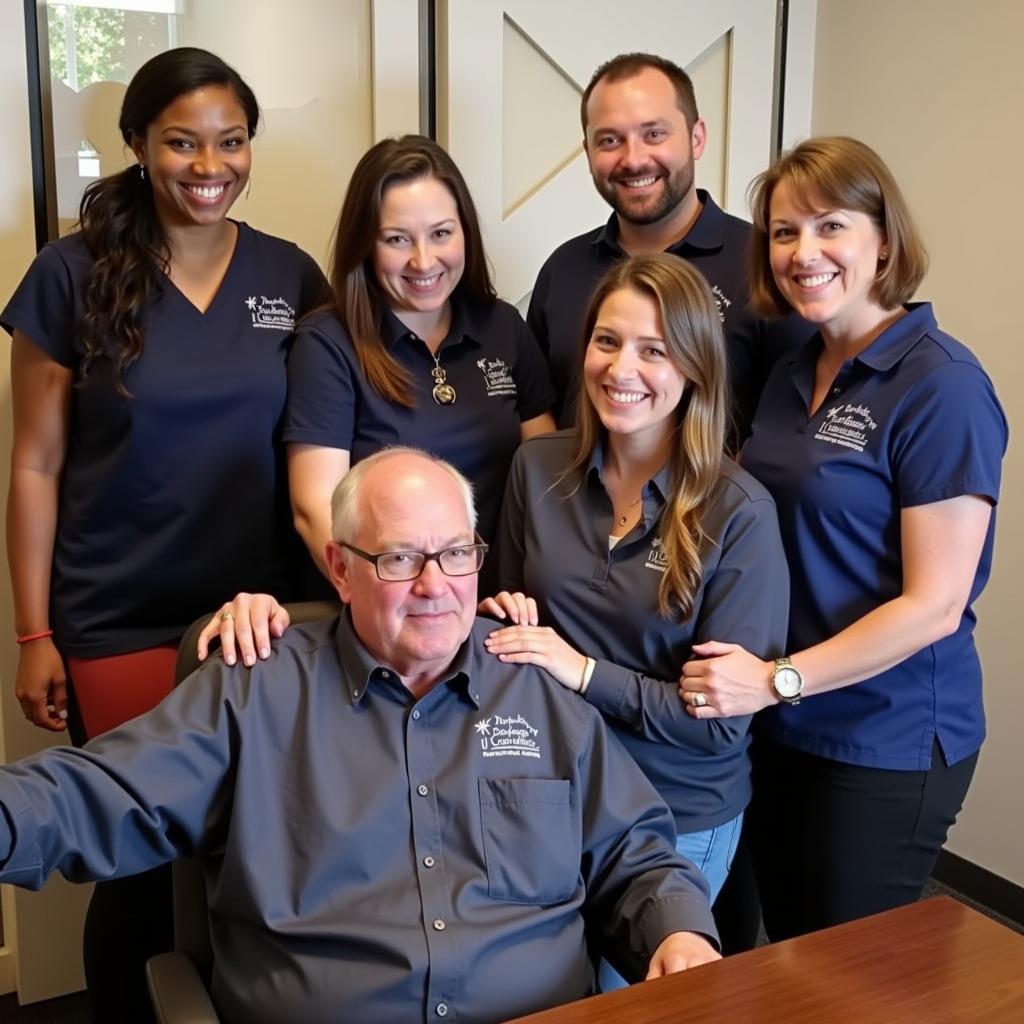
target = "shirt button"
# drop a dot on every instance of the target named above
(422, 789)
(385, 674)
(416, 715)
(355, 693)
(442, 1009)
(439, 925)
(429, 861)
(836, 390)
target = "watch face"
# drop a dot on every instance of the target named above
(787, 682)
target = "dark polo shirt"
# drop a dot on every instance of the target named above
(717, 246)
(490, 358)
(370, 856)
(553, 545)
(912, 420)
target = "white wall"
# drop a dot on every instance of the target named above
(936, 88)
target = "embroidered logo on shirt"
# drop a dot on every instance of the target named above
(847, 425)
(497, 377)
(507, 736)
(273, 314)
(656, 557)
(721, 301)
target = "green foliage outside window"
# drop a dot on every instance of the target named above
(99, 41)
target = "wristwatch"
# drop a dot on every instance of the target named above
(787, 682)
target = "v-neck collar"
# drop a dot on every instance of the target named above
(218, 297)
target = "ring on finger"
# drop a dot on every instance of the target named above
(699, 700)
(227, 616)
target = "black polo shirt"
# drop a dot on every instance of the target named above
(717, 245)
(491, 360)
(553, 545)
(176, 496)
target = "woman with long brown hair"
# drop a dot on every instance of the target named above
(632, 537)
(415, 348)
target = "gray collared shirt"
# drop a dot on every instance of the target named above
(370, 856)
(553, 544)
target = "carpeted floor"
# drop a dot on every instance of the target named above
(74, 1009)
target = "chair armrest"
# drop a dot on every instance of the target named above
(177, 991)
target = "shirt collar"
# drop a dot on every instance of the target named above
(467, 325)
(885, 351)
(362, 669)
(706, 233)
(658, 487)
(898, 339)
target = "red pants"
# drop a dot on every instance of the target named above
(110, 691)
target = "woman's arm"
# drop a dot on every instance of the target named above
(313, 474)
(41, 391)
(542, 424)
(745, 595)
(941, 545)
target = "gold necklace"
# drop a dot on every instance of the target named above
(629, 508)
(444, 393)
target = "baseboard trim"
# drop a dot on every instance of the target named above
(981, 885)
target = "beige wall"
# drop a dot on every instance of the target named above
(936, 88)
(46, 925)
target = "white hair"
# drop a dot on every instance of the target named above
(345, 500)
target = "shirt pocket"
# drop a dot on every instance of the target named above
(531, 837)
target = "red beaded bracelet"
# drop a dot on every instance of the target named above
(29, 637)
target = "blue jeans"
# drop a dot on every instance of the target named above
(712, 851)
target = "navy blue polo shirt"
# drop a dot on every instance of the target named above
(177, 496)
(717, 245)
(912, 420)
(553, 545)
(491, 360)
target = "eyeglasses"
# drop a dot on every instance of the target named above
(402, 566)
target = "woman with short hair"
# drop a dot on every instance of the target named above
(881, 442)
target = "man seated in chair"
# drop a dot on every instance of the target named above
(393, 824)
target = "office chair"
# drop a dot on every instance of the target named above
(179, 981)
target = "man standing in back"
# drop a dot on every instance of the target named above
(643, 135)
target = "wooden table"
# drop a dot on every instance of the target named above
(936, 962)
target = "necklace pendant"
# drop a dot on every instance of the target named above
(444, 394)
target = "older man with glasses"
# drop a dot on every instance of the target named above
(394, 824)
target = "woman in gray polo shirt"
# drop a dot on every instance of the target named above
(635, 538)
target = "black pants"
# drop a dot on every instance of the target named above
(129, 920)
(833, 842)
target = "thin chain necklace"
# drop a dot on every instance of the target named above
(623, 519)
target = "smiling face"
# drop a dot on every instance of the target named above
(197, 157)
(640, 148)
(824, 262)
(420, 252)
(631, 381)
(407, 503)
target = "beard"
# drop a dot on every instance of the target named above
(649, 210)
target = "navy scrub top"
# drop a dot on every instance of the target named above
(911, 420)
(175, 497)
(491, 360)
